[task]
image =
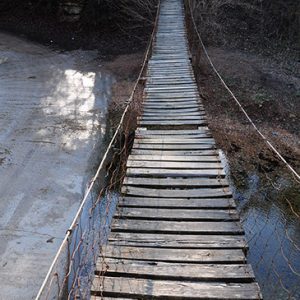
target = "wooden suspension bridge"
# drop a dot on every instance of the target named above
(176, 233)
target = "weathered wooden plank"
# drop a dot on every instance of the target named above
(169, 73)
(170, 106)
(177, 193)
(172, 77)
(165, 38)
(194, 203)
(168, 82)
(169, 61)
(166, 66)
(170, 70)
(170, 42)
(161, 82)
(166, 51)
(182, 90)
(174, 140)
(171, 115)
(154, 81)
(166, 32)
(172, 49)
(174, 97)
(190, 241)
(177, 146)
(175, 255)
(172, 89)
(177, 227)
(171, 112)
(183, 60)
(176, 182)
(150, 137)
(174, 164)
(174, 106)
(199, 158)
(169, 29)
(159, 289)
(161, 48)
(166, 42)
(173, 123)
(173, 152)
(171, 109)
(159, 136)
(198, 117)
(175, 172)
(163, 105)
(158, 103)
(178, 271)
(177, 214)
(170, 36)
(169, 102)
(109, 298)
(177, 104)
(170, 132)
(158, 70)
(170, 55)
(163, 51)
(173, 94)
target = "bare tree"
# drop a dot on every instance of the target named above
(259, 18)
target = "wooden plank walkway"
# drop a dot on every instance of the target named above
(176, 233)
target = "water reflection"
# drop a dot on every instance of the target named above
(273, 235)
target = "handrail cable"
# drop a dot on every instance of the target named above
(92, 182)
(294, 172)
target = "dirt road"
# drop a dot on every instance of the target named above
(52, 120)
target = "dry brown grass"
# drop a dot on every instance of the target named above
(126, 69)
(239, 21)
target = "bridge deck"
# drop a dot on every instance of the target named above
(176, 233)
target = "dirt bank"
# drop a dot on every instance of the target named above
(269, 91)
